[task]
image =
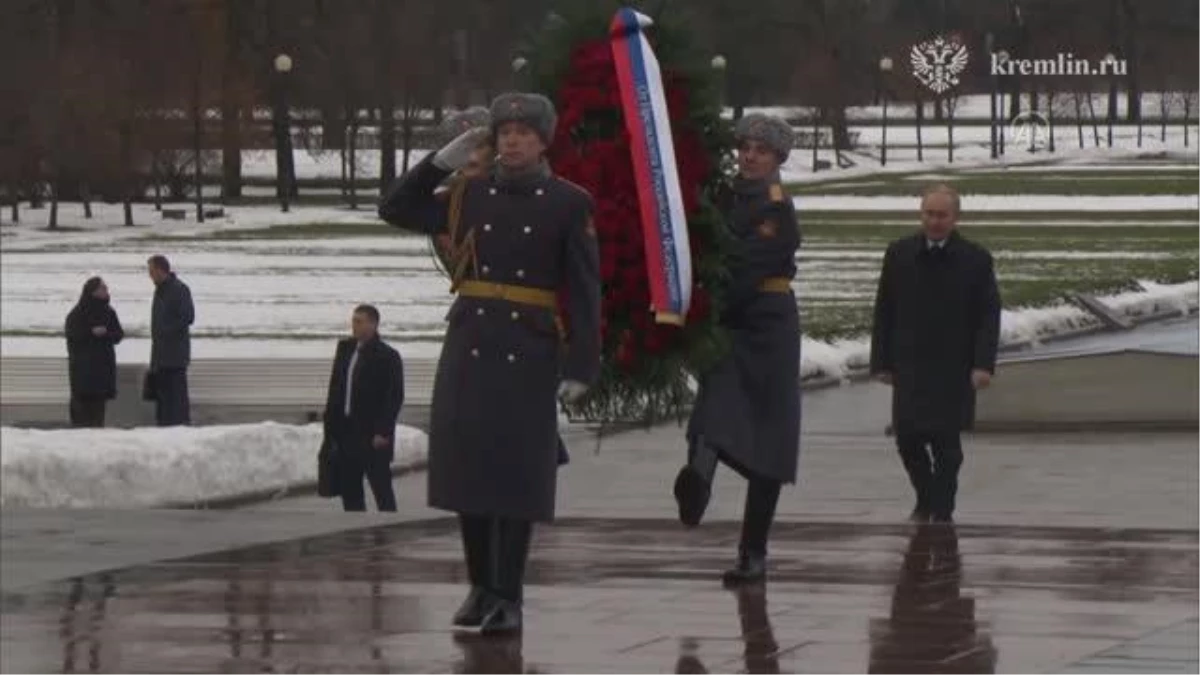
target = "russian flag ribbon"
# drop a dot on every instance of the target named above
(660, 200)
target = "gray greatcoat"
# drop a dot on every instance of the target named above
(748, 407)
(937, 317)
(493, 441)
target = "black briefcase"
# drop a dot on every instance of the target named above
(328, 476)
(149, 388)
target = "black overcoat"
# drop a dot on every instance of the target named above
(375, 400)
(937, 317)
(748, 406)
(92, 359)
(171, 318)
(493, 440)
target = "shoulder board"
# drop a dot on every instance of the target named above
(576, 186)
(776, 192)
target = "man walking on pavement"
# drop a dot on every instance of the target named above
(366, 392)
(747, 412)
(934, 340)
(493, 441)
(171, 318)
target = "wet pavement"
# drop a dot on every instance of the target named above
(614, 595)
(1073, 553)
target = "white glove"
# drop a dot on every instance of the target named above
(455, 154)
(571, 390)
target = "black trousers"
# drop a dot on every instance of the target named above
(932, 461)
(171, 404)
(496, 551)
(87, 412)
(357, 461)
(762, 495)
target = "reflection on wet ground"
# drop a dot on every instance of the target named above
(636, 595)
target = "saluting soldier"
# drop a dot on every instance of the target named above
(747, 413)
(522, 234)
(480, 163)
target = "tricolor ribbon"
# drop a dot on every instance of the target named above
(664, 225)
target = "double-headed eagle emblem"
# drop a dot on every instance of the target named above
(937, 63)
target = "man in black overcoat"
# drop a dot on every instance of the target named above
(522, 234)
(171, 317)
(366, 391)
(747, 412)
(934, 340)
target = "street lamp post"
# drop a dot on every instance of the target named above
(999, 96)
(990, 42)
(283, 145)
(1111, 59)
(719, 64)
(885, 69)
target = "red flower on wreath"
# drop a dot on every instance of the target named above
(592, 149)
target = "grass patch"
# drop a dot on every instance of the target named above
(1134, 238)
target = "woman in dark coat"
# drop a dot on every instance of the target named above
(92, 331)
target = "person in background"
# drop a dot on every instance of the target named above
(934, 339)
(366, 392)
(93, 331)
(747, 412)
(171, 318)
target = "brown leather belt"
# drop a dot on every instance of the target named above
(526, 295)
(776, 285)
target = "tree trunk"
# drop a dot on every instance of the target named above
(197, 149)
(352, 144)
(1079, 119)
(949, 132)
(1164, 109)
(1133, 78)
(1050, 115)
(127, 171)
(920, 121)
(231, 137)
(54, 187)
(85, 196)
(1092, 113)
(156, 178)
(407, 128)
(385, 87)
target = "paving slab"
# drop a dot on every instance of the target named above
(1073, 552)
(636, 595)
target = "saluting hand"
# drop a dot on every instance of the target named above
(99, 331)
(457, 152)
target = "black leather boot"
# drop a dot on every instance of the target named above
(751, 568)
(476, 534)
(693, 485)
(505, 615)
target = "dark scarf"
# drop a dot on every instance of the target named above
(745, 187)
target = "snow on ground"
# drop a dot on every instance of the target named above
(1017, 326)
(122, 468)
(974, 203)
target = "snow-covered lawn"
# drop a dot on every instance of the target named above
(152, 466)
